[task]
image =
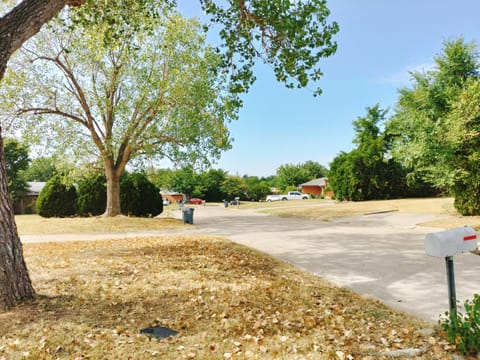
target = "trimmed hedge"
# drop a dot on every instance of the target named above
(92, 195)
(139, 196)
(56, 199)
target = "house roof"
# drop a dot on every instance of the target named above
(316, 182)
(34, 187)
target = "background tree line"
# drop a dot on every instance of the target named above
(211, 185)
(430, 144)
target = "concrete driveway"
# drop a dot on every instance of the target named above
(378, 255)
(381, 255)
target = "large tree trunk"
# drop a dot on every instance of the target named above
(113, 190)
(16, 27)
(15, 284)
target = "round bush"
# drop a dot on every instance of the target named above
(139, 197)
(56, 199)
(92, 195)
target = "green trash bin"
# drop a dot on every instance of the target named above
(187, 215)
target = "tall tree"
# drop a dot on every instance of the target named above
(233, 186)
(16, 27)
(368, 171)
(435, 124)
(294, 37)
(291, 175)
(256, 188)
(164, 98)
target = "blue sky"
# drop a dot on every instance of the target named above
(379, 42)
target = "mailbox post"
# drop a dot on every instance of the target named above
(452, 295)
(446, 244)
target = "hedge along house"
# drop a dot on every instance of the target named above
(26, 205)
(315, 187)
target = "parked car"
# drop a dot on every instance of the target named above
(291, 195)
(195, 201)
(271, 198)
(235, 202)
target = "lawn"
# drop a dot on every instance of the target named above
(326, 210)
(34, 224)
(226, 302)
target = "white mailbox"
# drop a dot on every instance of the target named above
(451, 242)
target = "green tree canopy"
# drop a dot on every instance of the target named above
(16, 161)
(368, 171)
(290, 175)
(163, 99)
(41, 169)
(435, 125)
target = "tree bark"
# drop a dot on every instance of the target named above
(113, 190)
(15, 284)
(16, 27)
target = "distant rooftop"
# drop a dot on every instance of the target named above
(34, 187)
(317, 182)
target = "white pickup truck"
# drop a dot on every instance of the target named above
(291, 195)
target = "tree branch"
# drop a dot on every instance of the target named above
(24, 21)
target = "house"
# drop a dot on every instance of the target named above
(26, 205)
(315, 187)
(173, 197)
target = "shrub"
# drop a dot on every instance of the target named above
(56, 199)
(467, 201)
(139, 197)
(464, 330)
(92, 195)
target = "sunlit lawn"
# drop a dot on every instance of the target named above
(225, 301)
(34, 224)
(326, 210)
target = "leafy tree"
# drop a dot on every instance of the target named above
(56, 199)
(256, 188)
(367, 172)
(211, 184)
(342, 178)
(294, 37)
(161, 178)
(16, 161)
(314, 169)
(435, 124)
(92, 195)
(40, 169)
(463, 157)
(289, 175)
(139, 196)
(147, 100)
(185, 181)
(232, 187)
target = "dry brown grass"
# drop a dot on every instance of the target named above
(327, 210)
(226, 301)
(36, 225)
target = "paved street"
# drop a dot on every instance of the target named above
(379, 255)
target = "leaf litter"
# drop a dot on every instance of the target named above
(225, 301)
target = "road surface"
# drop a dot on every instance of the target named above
(379, 255)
